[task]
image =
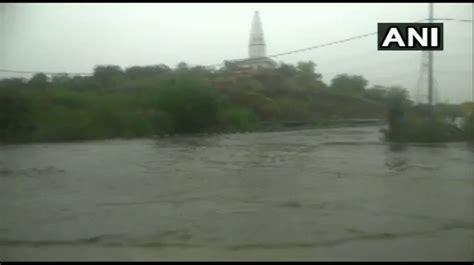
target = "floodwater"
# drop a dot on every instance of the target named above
(323, 194)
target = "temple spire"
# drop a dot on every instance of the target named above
(257, 47)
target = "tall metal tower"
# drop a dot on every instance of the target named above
(430, 63)
(257, 47)
(423, 85)
(426, 69)
(3, 37)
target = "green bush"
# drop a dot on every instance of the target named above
(468, 127)
(414, 128)
(237, 119)
(16, 115)
(191, 104)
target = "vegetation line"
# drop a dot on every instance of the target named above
(144, 101)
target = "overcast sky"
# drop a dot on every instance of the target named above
(74, 37)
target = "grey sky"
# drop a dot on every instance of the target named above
(76, 37)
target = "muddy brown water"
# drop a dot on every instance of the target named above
(321, 194)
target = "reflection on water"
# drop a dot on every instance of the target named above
(310, 194)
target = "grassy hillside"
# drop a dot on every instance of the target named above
(153, 100)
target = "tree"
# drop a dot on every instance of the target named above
(307, 69)
(376, 93)
(468, 127)
(83, 83)
(192, 105)
(397, 96)
(108, 75)
(199, 70)
(15, 115)
(137, 72)
(12, 83)
(348, 83)
(182, 66)
(39, 80)
(60, 78)
(397, 99)
(286, 70)
(308, 78)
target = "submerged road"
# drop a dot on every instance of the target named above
(321, 194)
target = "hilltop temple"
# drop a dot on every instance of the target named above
(257, 51)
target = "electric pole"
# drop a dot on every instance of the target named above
(430, 62)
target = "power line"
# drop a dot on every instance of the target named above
(453, 19)
(324, 45)
(43, 72)
(445, 19)
(252, 59)
(305, 49)
(335, 42)
(259, 58)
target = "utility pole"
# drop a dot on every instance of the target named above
(430, 62)
(427, 89)
(3, 36)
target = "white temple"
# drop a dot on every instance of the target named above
(257, 47)
(256, 50)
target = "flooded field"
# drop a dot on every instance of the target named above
(325, 194)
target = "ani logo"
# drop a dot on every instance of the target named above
(410, 36)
